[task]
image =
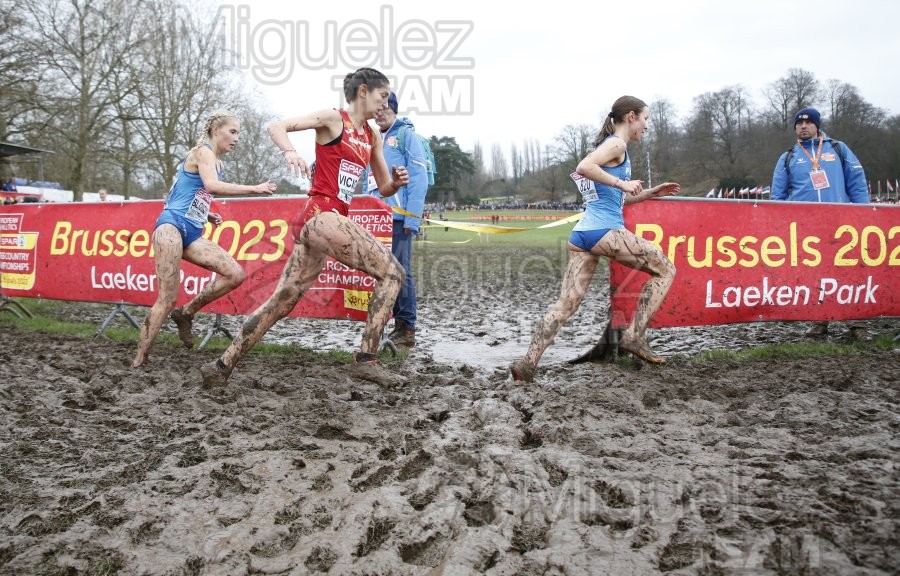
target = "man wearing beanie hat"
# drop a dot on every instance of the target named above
(818, 169)
(402, 148)
(813, 170)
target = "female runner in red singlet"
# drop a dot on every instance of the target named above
(345, 144)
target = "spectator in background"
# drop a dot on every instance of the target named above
(10, 185)
(818, 169)
(403, 149)
(103, 195)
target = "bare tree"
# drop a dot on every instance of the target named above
(515, 162)
(664, 139)
(18, 66)
(574, 143)
(797, 90)
(129, 148)
(186, 78)
(80, 44)
(720, 124)
(533, 155)
(855, 121)
(850, 113)
(499, 169)
(475, 180)
(255, 158)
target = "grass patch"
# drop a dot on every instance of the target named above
(797, 350)
(46, 321)
(532, 238)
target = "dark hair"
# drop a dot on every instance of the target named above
(620, 109)
(368, 76)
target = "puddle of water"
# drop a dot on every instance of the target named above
(484, 353)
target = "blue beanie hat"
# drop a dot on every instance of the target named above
(392, 103)
(809, 114)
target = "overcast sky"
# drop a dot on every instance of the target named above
(505, 75)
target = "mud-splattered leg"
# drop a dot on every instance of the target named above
(300, 271)
(167, 246)
(351, 244)
(211, 256)
(635, 252)
(326, 234)
(577, 278)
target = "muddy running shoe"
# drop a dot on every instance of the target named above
(521, 372)
(365, 358)
(367, 367)
(642, 350)
(817, 330)
(184, 323)
(215, 374)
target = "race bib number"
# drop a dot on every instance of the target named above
(348, 179)
(585, 187)
(199, 208)
(371, 186)
(819, 179)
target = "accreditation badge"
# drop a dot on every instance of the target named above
(819, 179)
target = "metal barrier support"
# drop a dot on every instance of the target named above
(213, 330)
(10, 305)
(119, 309)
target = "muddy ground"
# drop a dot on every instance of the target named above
(752, 467)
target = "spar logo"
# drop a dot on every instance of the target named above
(349, 173)
(18, 253)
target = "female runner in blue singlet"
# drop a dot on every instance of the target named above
(602, 232)
(178, 231)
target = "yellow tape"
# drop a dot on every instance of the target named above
(403, 212)
(486, 228)
(453, 242)
(567, 220)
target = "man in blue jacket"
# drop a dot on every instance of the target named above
(404, 150)
(818, 169)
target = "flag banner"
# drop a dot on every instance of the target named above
(753, 261)
(103, 252)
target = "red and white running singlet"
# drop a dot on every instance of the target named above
(340, 165)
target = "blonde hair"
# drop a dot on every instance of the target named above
(215, 120)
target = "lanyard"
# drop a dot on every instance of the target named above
(815, 161)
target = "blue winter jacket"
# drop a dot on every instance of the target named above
(411, 197)
(846, 183)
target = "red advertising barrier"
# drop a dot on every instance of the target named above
(102, 253)
(751, 261)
